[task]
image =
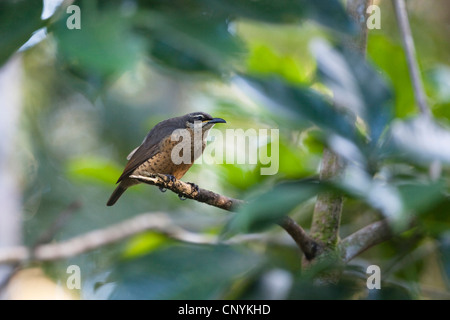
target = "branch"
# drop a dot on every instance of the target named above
(328, 208)
(413, 66)
(157, 222)
(189, 191)
(102, 237)
(58, 223)
(357, 10)
(364, 239)
(308, 246)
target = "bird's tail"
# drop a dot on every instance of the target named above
(116, 195)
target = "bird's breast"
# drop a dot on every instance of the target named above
(175, 156)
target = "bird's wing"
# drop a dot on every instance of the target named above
(149, 147)
(141, 155)
(132, 152)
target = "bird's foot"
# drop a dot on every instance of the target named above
(171, 178)
(182, 197)
(162, 189)
(194, 187)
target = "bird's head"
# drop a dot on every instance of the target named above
(203, 119)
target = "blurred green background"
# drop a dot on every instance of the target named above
(91, 95)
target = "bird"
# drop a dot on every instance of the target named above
(155, 154)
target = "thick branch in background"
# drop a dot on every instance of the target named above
(10, 195)
(328, 207)
(357, 9)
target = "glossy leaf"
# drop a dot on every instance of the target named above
(268, 207)
(193, 43)
(419, 141)
(181, 272)
(329, 13)
(356, 86)
(104, 47)
(304, 104)
(18, 20)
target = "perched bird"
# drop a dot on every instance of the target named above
(155, 154)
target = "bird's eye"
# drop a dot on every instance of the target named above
(199, 117)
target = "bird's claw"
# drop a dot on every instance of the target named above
(171, 178)
(162, 189)
(194, 186)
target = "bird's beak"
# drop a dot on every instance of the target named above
(216, 120)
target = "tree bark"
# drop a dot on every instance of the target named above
(328, 208)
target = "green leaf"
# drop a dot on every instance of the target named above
(104, 47)
(399, 201)
(93, 169)
(192, 43)
(182, 272)
(376, 192)
(419, 141)
(439, 78)
(327, 12)
(264, 60)
(390, 57)
(18, 20)
(303, 104)
(356, 85)
(170, 56)
(418, 197)
(268, 207)
(144, 243)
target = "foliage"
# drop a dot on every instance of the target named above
(92, 95)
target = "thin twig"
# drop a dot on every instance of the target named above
(157, 222)
(58, 223)
(413, 66)
(103, 237)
